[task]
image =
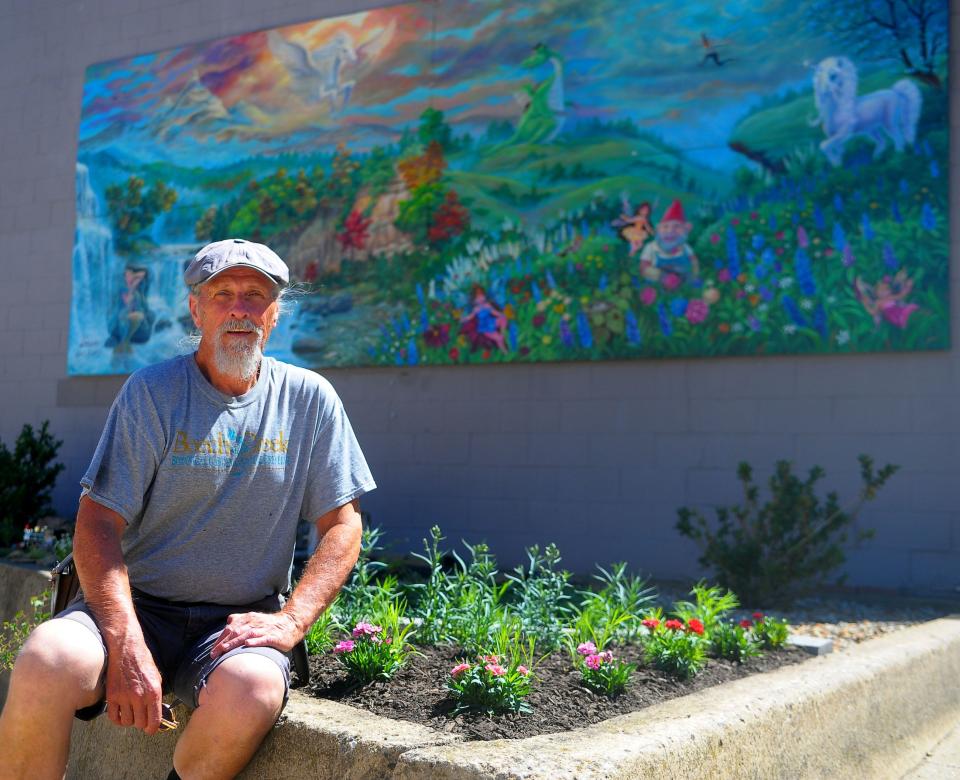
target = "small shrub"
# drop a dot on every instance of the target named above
(376, 652)
(620, 593)
(13, 633)
(27, 477)
(709, 605)
(319, 637)
(476, 606)
(543, 597)
(733, 642)
(498, 680)
(780, 549)
(356, 599)
(676, 648)
(432, 598)
(769, 631)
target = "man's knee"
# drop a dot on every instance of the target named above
(250, 682)
(64, 658)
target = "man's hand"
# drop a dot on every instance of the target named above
(134, 688)
(257, 629)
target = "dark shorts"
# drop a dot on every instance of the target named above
(179, 636)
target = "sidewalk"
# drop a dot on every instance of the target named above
(942, 761)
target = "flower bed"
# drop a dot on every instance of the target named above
(558, 699)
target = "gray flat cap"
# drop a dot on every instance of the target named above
(233, 252)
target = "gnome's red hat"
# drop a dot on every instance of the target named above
(674, 213)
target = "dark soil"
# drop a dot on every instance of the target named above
(560, 702)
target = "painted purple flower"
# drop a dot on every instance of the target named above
(802, 239)
(697, 311)
(648, 295)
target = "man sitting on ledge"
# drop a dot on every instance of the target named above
(185, 538)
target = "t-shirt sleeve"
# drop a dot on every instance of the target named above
(125, 462)
(338, 471)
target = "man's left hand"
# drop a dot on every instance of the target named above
(257, 629)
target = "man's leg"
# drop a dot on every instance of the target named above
(58, 671)
(238, 705)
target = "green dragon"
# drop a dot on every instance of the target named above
(543, 114)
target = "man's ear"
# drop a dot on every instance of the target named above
(195, 310)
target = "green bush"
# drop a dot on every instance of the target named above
(27, 476)
(776, 551)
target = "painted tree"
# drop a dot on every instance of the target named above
(450, 219)
(133, 209)
(356, 231)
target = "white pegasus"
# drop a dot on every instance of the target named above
(885, 114)
(318, 70)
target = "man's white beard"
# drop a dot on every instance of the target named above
(239, 358)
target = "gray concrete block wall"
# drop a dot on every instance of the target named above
(596, 457)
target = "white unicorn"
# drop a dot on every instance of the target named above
(887, 113)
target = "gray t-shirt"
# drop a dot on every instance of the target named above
(212, 486)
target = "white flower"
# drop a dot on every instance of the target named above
(786, 282)
(843, 337)
(790, 329)
(763, 307)
(737, 327)
(831, 299)
(749, 288)
(806, 304)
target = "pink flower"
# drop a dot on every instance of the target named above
(586, 648)
(714, 238)
(365, 629)
(648, 296)
(673, 625)
(606, 656)
(671, 281)
(523, 670)
(651, 623)
(697, 311)
(746, 623)
(724, 275)
(734, 221)
(898, 314)
(491, 659)
(802, 240)
(345, 646)
(495, 669)
(696, 626)
(594, 661)
(458, 670)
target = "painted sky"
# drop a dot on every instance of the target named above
(643, 60)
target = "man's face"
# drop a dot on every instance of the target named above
(235, 312)
(671, 233)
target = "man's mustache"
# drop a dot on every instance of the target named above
(240, 326)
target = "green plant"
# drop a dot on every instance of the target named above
(604, 674)
(356, 599)
(13, 633)
(676, 648)
(543, 596)
(433, 596)
(732, 642)
(377, 652)
(63, 546)
(599, 670)
(319, 637)
(475, 599)
(770, 632)
(782, 548)
(709, 605)
(620, 593)
(498, 680)
(27, 477)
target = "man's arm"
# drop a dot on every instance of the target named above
(328, 568)
(133, 684)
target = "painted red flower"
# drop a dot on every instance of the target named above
(454, 353)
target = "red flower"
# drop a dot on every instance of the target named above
(538, 320)
(454, 353)
(486, 354)
(754, 215)
(695, 626)
(651, 623)
(758, 616)
(746, 623)
(734, 221)
(437, 335)
(673, 625)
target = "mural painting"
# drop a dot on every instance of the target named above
(480, 182)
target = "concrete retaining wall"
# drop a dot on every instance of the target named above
(18, 584)
(870, 712)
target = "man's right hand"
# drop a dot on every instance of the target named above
(134, 686)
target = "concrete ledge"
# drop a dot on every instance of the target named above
(869, 712)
